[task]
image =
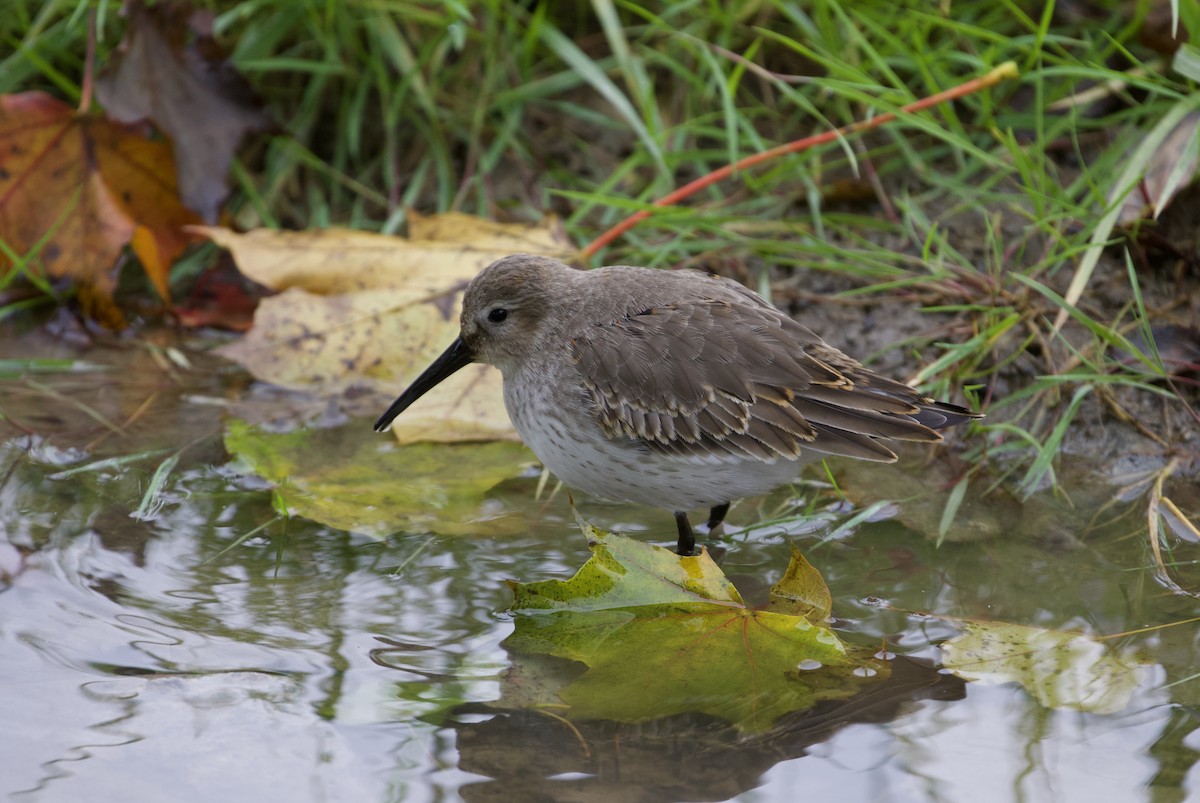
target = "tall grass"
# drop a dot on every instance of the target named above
(994, 210)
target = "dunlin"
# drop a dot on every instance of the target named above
(673, 389)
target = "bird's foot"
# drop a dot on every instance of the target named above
(716, 519)
(686, 545)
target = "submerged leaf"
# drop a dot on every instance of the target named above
(1059, 668)
(664, 635)
(352, 479)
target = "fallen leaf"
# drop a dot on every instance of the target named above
(626, 573)
(663, 635)
(1125, 185)
(479, 234)
(351, 479)
(802, 591)
(362, 312)
(167, 72)
(76, 189)
(220, 297)
(333, 261)
(336, 261)
(1170, 168)
(1060, 669)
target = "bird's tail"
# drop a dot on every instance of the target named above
(939, 415)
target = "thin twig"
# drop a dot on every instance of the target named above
(1001, 73)
(89, 66)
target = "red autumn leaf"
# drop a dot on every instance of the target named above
(168, 69)
(221, 297)
(75, 189)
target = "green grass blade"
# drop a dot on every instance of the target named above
(152, 500)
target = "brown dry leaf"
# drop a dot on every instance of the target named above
(360, 310)
(479, 234)
(76, 189)
(333, 261)
(1171, 168)
(166, 71)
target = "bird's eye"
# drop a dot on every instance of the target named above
(497, 314)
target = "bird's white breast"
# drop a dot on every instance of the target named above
(554, 419)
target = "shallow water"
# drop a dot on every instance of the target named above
(146, 658)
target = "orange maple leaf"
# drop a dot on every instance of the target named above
(75, 189)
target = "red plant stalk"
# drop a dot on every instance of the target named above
(89, 66)
(1003, 72)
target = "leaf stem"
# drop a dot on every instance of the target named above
(89, 65)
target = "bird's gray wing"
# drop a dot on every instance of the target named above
(718, 380)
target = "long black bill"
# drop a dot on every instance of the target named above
(457, 356)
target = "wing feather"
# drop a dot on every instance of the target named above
(722, 380)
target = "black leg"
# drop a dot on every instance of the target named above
(687, 538)
(717, 515)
